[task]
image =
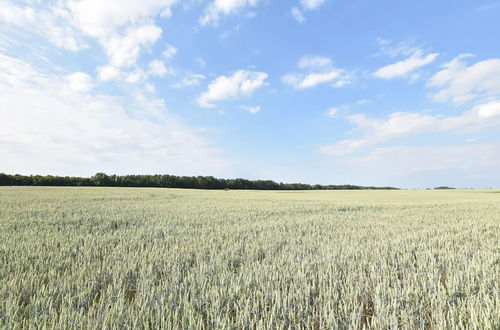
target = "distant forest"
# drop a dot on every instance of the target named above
(166, 181)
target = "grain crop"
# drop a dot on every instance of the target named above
(123, 258)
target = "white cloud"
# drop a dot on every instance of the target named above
(218, 8)
(122, 28)
(404, 67)
(107, 73)
(54, 22)
(190, 79)
(405, 124)
(241, 83)
(488, 110)
(230, 32)
(150, 88)
(80, 82)
(297, 15)
(102, 19)
(316, 70)
(51, 24)
(251, 109)
(157, 68)
(344, 109)
(201, 62)
(383, 42)
(460, 83)
(136, 76)
(124, 51)
(306, 6)
(333, 112)
(169, 51)
(47, 128)
(18, 15)
(311, 4)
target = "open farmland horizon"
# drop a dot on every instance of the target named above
(170, 181)
(190, 182)
(107, 257)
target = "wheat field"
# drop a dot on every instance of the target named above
(123, 258)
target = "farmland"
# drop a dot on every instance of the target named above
(172, 258)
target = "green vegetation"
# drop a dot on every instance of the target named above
(185, 259)
(167, 181)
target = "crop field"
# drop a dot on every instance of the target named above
(120, 258)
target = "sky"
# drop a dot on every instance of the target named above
(388, 92)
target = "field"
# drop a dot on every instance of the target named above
(186, 259)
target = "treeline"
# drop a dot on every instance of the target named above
(165, 181)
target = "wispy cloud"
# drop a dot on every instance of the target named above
(220, 8)
(416, 57)
(446, 161)
(251, 109)
(190, 79)
(405, 124)
(306, 5)
(405, 67)
(488, 7)
(169, 52)
(316, 70)
(297, 15)
(311, 4)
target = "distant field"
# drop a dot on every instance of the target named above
(149, 258)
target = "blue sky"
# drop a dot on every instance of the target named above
(316, 91)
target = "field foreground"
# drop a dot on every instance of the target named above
(150, 258)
